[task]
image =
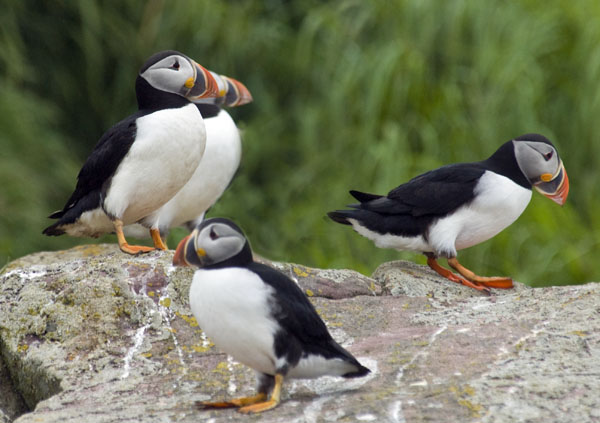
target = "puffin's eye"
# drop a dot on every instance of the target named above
(213, 235)
(549, 155)
(175, 65)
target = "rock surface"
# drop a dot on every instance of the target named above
(90, 334)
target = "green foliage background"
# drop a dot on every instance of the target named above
(348, 95)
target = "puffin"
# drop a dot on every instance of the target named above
(215, 171)
(144, 160)
(257, 315)
(460, 205)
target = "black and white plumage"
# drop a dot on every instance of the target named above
(257, 314)
(460, 205)
(216, 169)
(142, 161)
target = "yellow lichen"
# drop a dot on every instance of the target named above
(191, 320)
(300, 272)
(474, 408)
(309, 293)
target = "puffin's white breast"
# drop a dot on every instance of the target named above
(232, 307)
(498, 203)
(212, 176)
(168, 147)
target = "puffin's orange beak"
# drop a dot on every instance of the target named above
(179, 257)
(237, 93)
(557, 189)
(202, 85)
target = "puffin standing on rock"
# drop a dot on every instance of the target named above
(257, 315)
(460, 205)
(141, 162)
(217, 168)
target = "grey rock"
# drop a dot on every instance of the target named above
(90, 334)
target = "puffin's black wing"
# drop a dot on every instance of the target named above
(102, 162)
(434, 193)
(303, 331)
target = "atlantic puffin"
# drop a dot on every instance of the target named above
(257, 315)
(460, 205)
(142, 161)
(216, 169)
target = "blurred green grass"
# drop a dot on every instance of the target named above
(348, 95)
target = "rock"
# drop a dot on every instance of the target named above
(90, 334)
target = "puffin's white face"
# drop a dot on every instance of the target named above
(541, 165)
(218, 242)
(208, 244)
(178, 74)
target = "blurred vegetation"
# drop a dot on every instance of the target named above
(348, 95)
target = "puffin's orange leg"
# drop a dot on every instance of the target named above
(237, 402)
(492, 282)
(431, 262)
(123, 245)
(158, 242)
(266, 405)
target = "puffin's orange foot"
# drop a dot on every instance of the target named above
(479, 287)
(135, 249)
(498, 283)
(431, 262)
(259, 407)
(123, 245)
(237, 402)
(492, 282)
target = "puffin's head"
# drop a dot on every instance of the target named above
(214, 241)
(176, 73)
(539, 161)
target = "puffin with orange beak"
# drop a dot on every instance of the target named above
(258, 315)
(143, 161)
(461, 205)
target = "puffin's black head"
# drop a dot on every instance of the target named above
(216, 242)
(173, 72)
(539, 161)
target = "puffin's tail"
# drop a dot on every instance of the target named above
(342, 216)
(364, 197)
(353, 367)
(360, 371)
(53, 230)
